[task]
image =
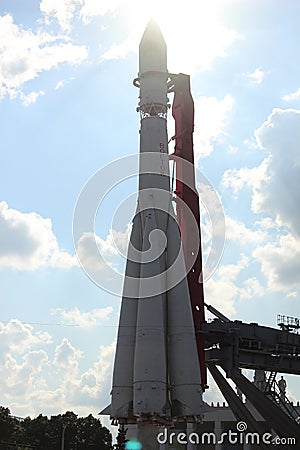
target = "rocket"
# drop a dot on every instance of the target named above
(156, 374)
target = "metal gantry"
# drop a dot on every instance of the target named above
(234, 345)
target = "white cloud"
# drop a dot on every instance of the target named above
(280, 263)
(95, 384)
(232, 149)
(95, 253)
(256, 77)
(103, 259)
(278, 192)
(66, 359)
(83, 319)
(266, 223)
(222, 290)
(20, 361)
(211, 118)
(62, 83)
(62, 10)
(238, 232)
(276, 182)
(94, 8)
(293, 96)
(24, 55)
(65, 11)
(120, 51)
(59, 84)
(251, 289)
(31, 97)
(29, 372)
(236, 179)
(17, 337)
(61, 259)
(200, 27)
(27, 241)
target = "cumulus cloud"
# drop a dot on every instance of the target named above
(103, 259)
(292, 96)
(27, 242)
(29, 372)
(21, 361)
(66, 358)
(17, 337)
(62, 83)
(202, 27)
(211, 119)
(62, 10)
(276, 182)
(256, 77)
(251, 288)
(95, 253)
(236, 179)
(232, 149)
(238, 231)
(83, 319)
(94, 8)
(65, 11)
(120, 51)
(222, 289)
(95, 383)
(275, 185)
(280, 262)
(31, 97)
(279, 192)
(25, 54)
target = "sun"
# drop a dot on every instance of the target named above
(193, 31)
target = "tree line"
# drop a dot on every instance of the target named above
(62, 432)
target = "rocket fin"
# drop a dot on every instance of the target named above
(106, 411)
(184, 370)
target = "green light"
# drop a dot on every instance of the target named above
(133, 445)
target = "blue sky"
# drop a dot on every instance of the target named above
(67, 107)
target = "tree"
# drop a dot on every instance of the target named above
(41, 433)
(92, 435)
(121, 439)
(7, 427)
(37, 432)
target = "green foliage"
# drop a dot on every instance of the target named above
(121, 439)
(64, 430)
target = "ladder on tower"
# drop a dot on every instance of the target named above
(270, 382)
(274, 392)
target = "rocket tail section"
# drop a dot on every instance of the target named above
(184, 369)
(150, 370)
(122, 390)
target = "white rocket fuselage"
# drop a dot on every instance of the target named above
(156, 369)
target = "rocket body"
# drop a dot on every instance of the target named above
(156, 369)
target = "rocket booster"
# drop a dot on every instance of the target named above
(156, 369)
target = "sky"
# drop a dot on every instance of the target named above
(68, 111)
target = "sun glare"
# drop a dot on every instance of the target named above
(194, 33)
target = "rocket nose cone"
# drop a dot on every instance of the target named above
(153, 49)
(152, 30)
